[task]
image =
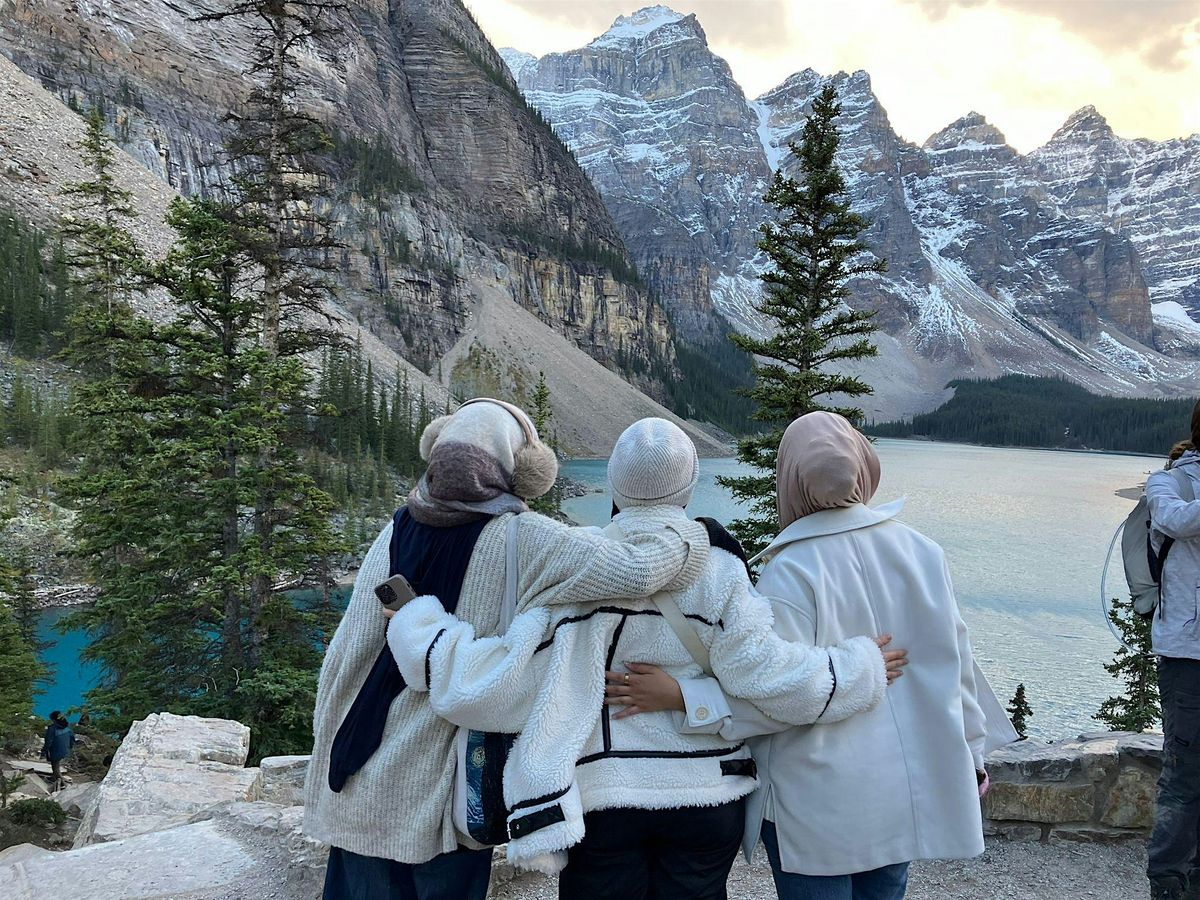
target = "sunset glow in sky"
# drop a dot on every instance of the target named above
(1025, 64)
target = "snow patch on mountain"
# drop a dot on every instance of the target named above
(636, 27)
(773, 149)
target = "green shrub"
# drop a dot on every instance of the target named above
(33, 812)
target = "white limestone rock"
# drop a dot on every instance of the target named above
(168, 770)
(283, 779)
(197, 860)
(20, 853)
(76, 798)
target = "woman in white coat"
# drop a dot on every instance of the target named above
(844, 807)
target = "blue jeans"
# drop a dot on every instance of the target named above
(1172, 850)
(460, 875)
(888, 883)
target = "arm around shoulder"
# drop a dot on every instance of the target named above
(482, 683)
(561, 564)
(790, 680)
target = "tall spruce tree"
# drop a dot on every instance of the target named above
(815, 249)
(101, 251)
(172, 534)
(1137, 707)
(276, 152)
(542, 414)
(19, 669)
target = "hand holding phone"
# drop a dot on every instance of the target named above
(395, 592)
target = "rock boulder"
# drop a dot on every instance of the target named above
(168, 770)
(192, 860)
(283, 779)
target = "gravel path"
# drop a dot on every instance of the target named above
(1006, 871)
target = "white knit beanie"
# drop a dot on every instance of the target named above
(653, 464)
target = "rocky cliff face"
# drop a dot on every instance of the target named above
(665, 133)
(1043, 264)
(464, 181)
(1148, 191)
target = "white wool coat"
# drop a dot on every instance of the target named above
(398, 806)
(546, 678)
(897, 783)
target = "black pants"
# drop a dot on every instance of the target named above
(1173, 857)
(654, 854)
(460, 875)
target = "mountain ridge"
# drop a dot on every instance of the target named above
(996, 265)
(466, 187)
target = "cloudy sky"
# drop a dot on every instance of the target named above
(1025, 64)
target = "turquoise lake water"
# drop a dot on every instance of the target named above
(1025, 532)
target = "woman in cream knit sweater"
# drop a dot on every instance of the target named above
(382, 771)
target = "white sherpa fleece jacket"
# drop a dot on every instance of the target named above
(545, 679)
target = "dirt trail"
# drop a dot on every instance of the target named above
(1006, 871)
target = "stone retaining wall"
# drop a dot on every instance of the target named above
(1098, 787)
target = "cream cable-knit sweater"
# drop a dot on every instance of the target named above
(547, 673)
(398, 805)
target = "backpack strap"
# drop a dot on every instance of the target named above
(508, 609)
(674, 617)
(684, 631)
(1158, 559)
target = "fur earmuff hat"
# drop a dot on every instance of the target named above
(505, 433)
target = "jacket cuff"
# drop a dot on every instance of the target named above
(540, 834)
(859, 679)
(411, 635)
(704, 704)
(695, 538)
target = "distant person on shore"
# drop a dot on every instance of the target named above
(382, 775)
(57, 745)
(634, 807)
(843, 808)
(1174, 856)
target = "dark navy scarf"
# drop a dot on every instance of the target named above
(434, 560)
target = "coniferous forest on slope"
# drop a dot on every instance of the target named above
(1027, 411)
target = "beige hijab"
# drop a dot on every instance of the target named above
(824, 462)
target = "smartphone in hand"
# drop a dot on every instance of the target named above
(395, 592)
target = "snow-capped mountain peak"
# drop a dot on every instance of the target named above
(517, 60)
(973, 130)
(1085, 124)
(997, 262)
(640, 25)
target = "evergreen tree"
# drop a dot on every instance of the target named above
(815, 250)
(101, 252)
(276, 151)
(1138, 708)
(176, 547)
(550, 503)
(18, 667)
(25, 310)
(1019, 711)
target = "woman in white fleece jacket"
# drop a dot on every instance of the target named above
(844, 807)
(642, 809)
